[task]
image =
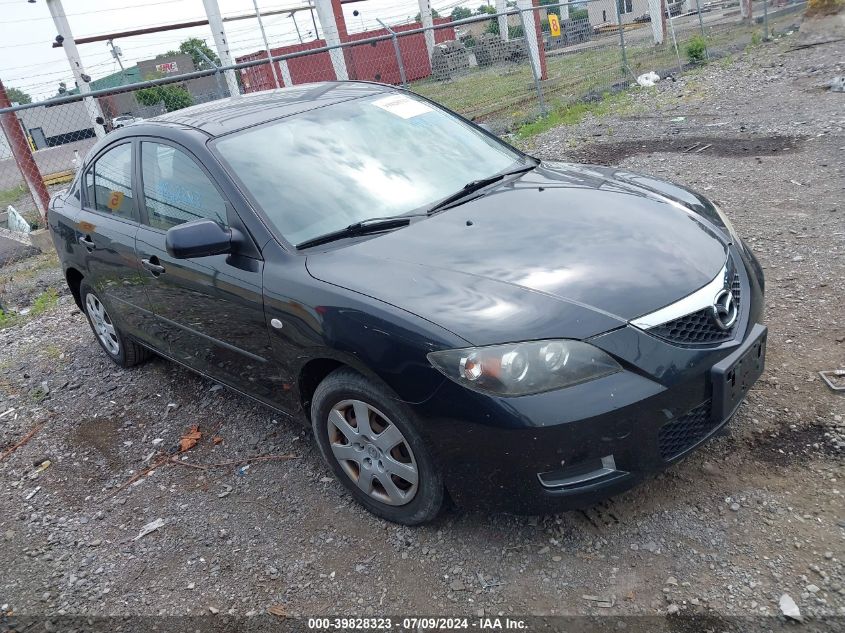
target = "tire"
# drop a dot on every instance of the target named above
(122, 350)
(385, 485)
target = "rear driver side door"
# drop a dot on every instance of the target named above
(209, 310)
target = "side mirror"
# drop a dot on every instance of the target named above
(200, 238)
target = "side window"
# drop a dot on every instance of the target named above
(176, 190)
(108, 183)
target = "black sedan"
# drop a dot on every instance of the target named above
(455, 319)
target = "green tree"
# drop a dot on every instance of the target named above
(17, 95)
(485, 9)
(555, 10)
(418, 16)
(173, 96)
(190, 47)
(461, 13)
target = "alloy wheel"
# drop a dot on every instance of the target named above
(103, 326)
(373, 452)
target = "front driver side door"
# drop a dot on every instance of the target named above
(209, 310)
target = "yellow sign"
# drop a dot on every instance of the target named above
(115, 200)
(554, 25)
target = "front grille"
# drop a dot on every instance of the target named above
(683, 433)
(698, 328)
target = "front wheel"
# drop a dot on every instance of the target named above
(369, 441)
(122, 350)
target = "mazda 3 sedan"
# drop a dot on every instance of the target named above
(455, 319)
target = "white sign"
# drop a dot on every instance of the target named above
(402, 106)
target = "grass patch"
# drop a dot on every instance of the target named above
(10, 196)
(574, 113)
(44, 302)
(6, 319)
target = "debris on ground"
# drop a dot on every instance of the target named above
(647, 80)
(23, 440)
(190, 439)
(789, 609)
(150, 527)
(834, 378)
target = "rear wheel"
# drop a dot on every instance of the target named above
(369, 440)
(122, 350)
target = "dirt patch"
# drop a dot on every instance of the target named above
(103, 436)
(615, 153)
(792, 446)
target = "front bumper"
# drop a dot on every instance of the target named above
(573, 447)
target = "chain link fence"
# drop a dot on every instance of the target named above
(504, 69)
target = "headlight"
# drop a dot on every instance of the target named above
(517, 369)
(727, 223)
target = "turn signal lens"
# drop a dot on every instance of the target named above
(517, 369)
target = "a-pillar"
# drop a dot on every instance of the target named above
(501, 7)
(657, 11)
(330, 13)
(428, 24)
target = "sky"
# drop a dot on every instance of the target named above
(28, 61)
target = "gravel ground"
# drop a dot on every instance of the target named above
(757, 513)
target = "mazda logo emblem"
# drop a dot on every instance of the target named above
(724, 309)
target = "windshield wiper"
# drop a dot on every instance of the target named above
(475, 185)
(363, 227)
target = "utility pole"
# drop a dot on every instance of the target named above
(65, 38)
(215, 21)
(116, 53)
(313, 20)
(296, 26)
(266, 44)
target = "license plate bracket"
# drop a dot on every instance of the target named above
(733, 376)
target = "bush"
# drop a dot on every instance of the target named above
(696, 50)
(173, 97)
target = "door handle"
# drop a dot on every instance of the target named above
(87, 242)
(153, 266)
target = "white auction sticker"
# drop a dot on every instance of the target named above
(402, 106)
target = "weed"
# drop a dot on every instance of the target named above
(6, 319)
(44, 302)
(696, 50)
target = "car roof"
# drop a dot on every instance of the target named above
(235, 113)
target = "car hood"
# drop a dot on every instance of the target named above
(563, 251)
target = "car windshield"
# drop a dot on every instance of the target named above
(322, 170)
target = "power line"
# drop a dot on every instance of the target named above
(68, 15)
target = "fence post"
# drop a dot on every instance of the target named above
(701, 27)
(533, 51)
(765, 20)
(398, 53)
(674, 40)
(625, 67)
(502, 19)
(23, 155)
